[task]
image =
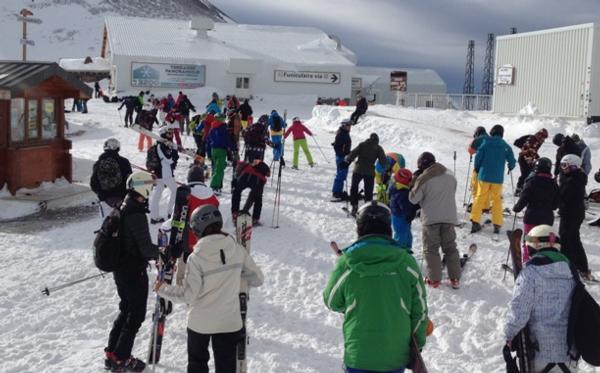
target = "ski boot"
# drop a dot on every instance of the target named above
(431, 283)
(131, 364)
(595, 223)
(455, 283)
(294, 167)
(157, 221)
(497, 229)
(587, 276)
(475, 227)
(256, 223)
(354, 210)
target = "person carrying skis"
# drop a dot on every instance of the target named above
(255, 140)
(403, 212)
(131, 104)
(540, 196)
(297, 129)
(366, 153)
(211, 289)
(479, 137)
(245, 111)
(566, 146)
(130, 277)
(217, 145)
(361, 108)
(541, 300)
(341, 145)
(174, 118)
(572, 212)
(586, 154)
(276, 126)
(434, 188)
(146, 119)
(379, 289)
(529, 145)
(109, 174)
(489, 165)
(168, 156)
(252, 176)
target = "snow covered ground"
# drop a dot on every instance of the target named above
(290, 328)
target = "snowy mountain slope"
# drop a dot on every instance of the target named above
(290, 328)
(73, 28)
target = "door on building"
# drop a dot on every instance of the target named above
(242, 87)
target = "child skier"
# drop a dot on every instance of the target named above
(297, 129)
(403, 212)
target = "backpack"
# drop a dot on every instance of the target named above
(583, 333)
(107, 244)
(152, 160)
(521, 141)
(108, 173)
(276, 124)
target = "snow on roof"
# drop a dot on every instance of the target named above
(78, 64)
(173, 39)
(424, 77)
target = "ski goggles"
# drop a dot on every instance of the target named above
(537, 243)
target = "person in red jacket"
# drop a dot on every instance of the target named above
(173, 118)
(297, 129)
(254, 176)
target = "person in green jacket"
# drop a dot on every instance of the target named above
(379, 288)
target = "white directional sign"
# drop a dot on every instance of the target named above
(27, 42)
(28, 19)
(320, 77)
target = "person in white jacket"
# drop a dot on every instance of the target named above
(211, 288)
(167, 153)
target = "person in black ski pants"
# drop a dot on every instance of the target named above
(130, 103)
(341, 146)
(572, 212)
(253, 176)
(131, 278)
(361, 108)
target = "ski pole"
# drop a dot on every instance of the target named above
(121, 117)
(321, 150)
(277, 199)
(508, 253)
(467, 183)
(512, 184)
(47, 290)
(455, 163)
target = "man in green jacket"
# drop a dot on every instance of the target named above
(380, 290)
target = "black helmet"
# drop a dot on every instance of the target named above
(543, 165)
(425, 160)
(558, 139)
(497, 130)
(480, 131)
(195, 174)
(374, 218)
(203, 217)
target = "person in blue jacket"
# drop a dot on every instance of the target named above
(403, 212)
(489, 165)
(217, 145)
(213, 106)
(277, 127)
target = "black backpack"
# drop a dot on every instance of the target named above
(583, 333)
(152, 159)
(108, 173)
(107, 244)
(276, 124)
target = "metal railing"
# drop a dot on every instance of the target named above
(454, 101)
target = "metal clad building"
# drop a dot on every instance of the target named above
(555, 70)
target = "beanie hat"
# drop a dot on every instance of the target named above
(558, 139)
(425, 160)
(195, 174)
(543, 134)
(497, 130)
(403, 176)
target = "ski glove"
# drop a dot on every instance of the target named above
(344, 164)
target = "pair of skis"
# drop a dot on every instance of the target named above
(180, 149)
(243, 234)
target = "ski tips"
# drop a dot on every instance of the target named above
(46, 292)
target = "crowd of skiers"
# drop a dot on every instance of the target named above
(383, 226)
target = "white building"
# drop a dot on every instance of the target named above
(168, 55)
(556, 71)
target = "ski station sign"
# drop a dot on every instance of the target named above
(319, 77)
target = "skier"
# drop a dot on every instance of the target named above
(395, 161)
(489, 165)
(403, 212)
(586, 154)
(529, 145)
(255, 140)
(433, 188)
(130, 103)
(214, 105)
(379, 289)
(184, 106)
(367, 153)
(566, 146)
(479, 137)
(542, 300)
(361, 108)
(218, 144)
(297, 129)
(109, 174)
(245, 111)
(97, 89)
(146, 119)
(211, 289)
(174, 118)
(253, 176)
(341, 145)
(572, 212)
(276, 126)
(131, 278)
(540, 196)
(233, 103)
(168, 156)
(234, 127)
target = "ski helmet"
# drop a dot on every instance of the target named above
(373, 137)
(570, 161)
(112, 144)
(164, 131)
(558, 139)
(497, 130)
(425, 160)
(403, 176)
(542, 236)
(195, 174)
(263, 119)
(140, 182)
(543, 165)
(204, 216)
(576, 138)
(372, 218)
(480, 131)
(542, 134)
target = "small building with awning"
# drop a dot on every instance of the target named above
(89, 69)
(33, 147)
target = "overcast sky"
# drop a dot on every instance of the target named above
(416, 33)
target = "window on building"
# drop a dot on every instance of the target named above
(32, 120)
(242, 82)
(49, 127)
(17, 119)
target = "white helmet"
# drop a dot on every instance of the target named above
(542, 236)
(570, 161)
(141, 182)
(112, 144)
